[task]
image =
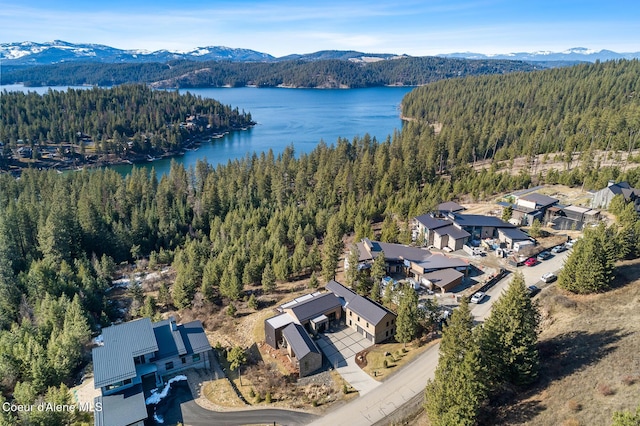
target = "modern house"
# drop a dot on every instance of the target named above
(370, 319)
(311, 314)
(443, 280)
(602, 198)
(412, 261)
(302, 350)
(137, 356)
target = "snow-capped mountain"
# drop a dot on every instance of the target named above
(574, 54)
(31, 53)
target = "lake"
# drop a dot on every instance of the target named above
(301, 117)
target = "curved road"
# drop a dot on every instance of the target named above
(373, 407)
(409, 383)
(181, 408)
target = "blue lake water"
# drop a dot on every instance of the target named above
(301, 117)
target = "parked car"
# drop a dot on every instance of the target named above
(549, 277)
(533, 290)
(478, 297)
(558, 249)
(544, 256)
(531, 261)
(570, 243)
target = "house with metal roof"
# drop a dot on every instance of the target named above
(139, 354)
(316, 313)
(602, 198)
(302, 350)
(370, 319)
(443, 280)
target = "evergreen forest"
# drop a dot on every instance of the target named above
(564, 110)
(270, 217)
(118, 120)
(334, 73)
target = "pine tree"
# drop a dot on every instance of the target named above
(589, 267)
(379, 267)
(352, 272)
(509, 337)
(535, 230)
(331, 248)
(408, 316)
(268, 279)
(253, 302)
(389, 231)
(313, 281)
(457, 392)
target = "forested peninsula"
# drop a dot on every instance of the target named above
(130, 123)
(220, 228)
(329, 73)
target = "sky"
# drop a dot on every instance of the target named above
(282, 27)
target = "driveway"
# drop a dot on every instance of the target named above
(340, 347)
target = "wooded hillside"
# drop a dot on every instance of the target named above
(581, 108)
(295, 73)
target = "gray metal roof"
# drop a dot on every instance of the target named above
(194, 337)
(113, 361)
(440, 261)
(300, 342)
(449, 206)
(431, 222)
(362, 306)
(392, 251)
(452, 231)
(480, 220)
(280, 321)
(443, 277)
(313, 307)
(540, 199)
(122, 408)
(169, 340)
(514, 234)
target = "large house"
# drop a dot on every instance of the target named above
(415, 262)
(138, 355)
(454, 230)
(602, 198)
(315, 313)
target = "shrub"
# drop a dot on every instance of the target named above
(345, 389)
(629, 380)
(605, 390)
(314, 403)
(385, 363)
(252, 393)
(574, 405)
(267, 398)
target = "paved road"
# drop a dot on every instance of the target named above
(409, 383)
(181, 408)
(373, 407)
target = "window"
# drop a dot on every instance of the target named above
(386, 333)
(350, 313)
(387, 323)
(350, 323)
(184, 359)
(196, 357)
(168, 365)
(367, 325)
(358, 319)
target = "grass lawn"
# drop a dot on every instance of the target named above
(376, 357)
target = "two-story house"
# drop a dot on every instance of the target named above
(136, 356)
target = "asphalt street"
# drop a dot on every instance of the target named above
(373, 407)
(410, 382)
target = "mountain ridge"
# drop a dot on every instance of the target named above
(28, 53)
